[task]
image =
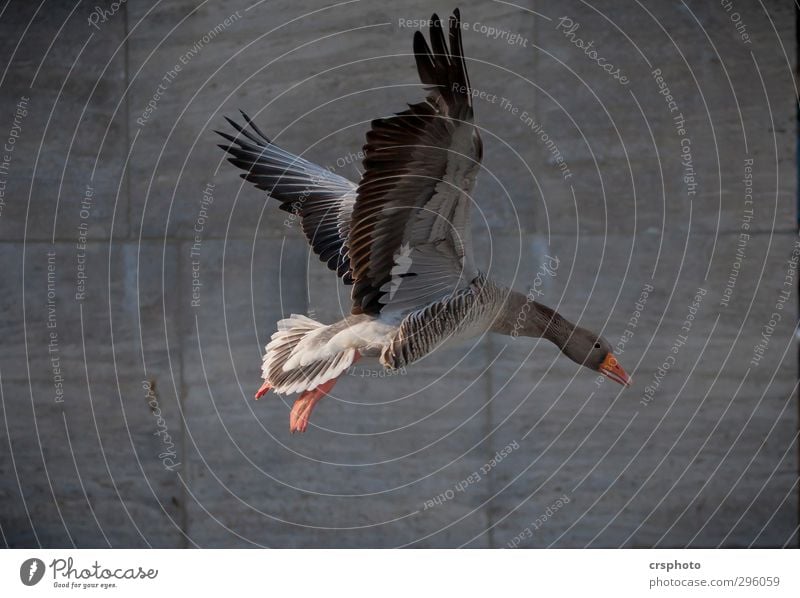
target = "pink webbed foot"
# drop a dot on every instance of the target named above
(263, 390)
(304, 405)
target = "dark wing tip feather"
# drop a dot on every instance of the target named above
(457, 48)
(443, 68)
(425, 65)
(249, 135)
(441, 56)
(234, 124)
(254, 126)
(227, 136)
(390, 164)
(281, 174)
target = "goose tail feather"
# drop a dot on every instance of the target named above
(296, 359)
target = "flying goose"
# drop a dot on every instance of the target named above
(401, 238)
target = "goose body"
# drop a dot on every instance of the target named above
(401, 238)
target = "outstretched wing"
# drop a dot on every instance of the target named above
(323, 201)
(409, 237)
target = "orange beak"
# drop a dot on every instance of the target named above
(611, 369)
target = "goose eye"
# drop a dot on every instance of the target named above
(597, 345)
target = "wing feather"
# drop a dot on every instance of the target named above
(323, 200)
(420, 166)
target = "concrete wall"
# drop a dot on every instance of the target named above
(707, 457)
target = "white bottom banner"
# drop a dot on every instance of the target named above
(354, 573)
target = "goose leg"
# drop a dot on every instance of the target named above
(263, 390)
(304, 405)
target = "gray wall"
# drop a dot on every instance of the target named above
(707, 458)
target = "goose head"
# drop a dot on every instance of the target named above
(594, 352)
(521, 316)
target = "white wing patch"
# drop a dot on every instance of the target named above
(439, 261)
